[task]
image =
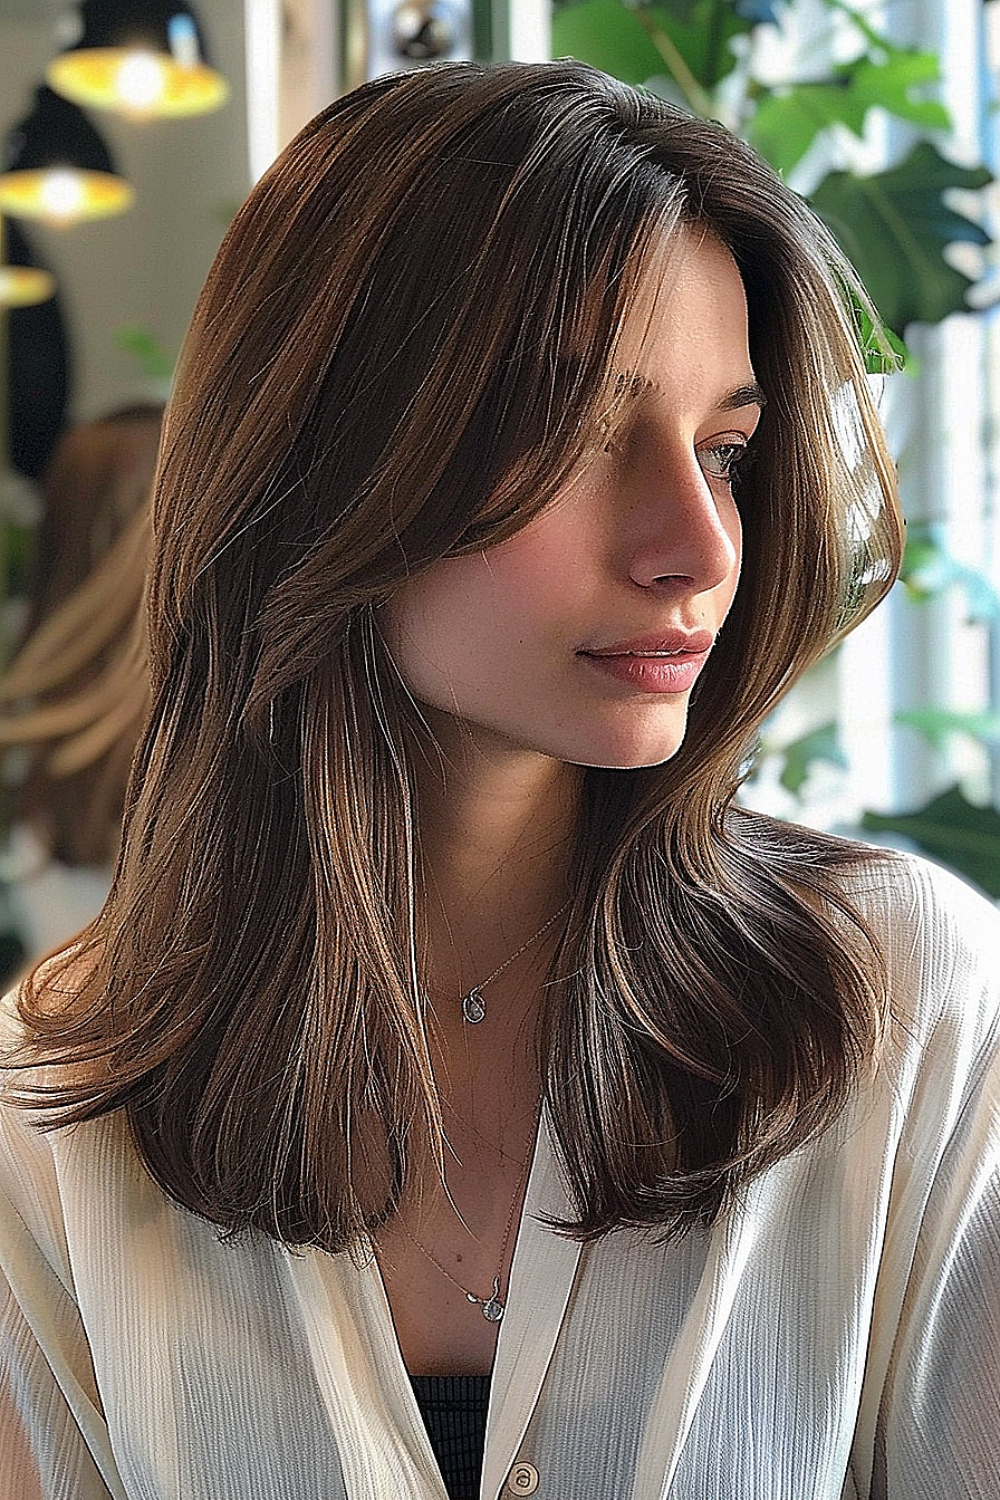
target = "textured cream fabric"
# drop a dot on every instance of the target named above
(838, 1337)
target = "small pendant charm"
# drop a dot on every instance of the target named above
(493, 1308)
(474, 1009)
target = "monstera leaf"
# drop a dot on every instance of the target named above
(953, 830)
(788, 120)
(894, 225)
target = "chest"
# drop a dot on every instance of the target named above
(445, 1257)
(624, 1369)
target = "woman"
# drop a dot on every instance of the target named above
(75, 694)
(449, 1033)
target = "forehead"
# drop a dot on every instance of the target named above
(690, 278)
(685, 326)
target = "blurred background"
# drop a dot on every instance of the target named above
(131, 131)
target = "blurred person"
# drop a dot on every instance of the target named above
(74, 695)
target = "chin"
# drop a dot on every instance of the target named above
(635, 757)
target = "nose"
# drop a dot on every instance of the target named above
(682, 529)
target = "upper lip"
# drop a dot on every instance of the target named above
(659, 643)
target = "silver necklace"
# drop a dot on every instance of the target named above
(494, 1306)
(473, 1004)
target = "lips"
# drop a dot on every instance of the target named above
(665, 643)
(667, 663)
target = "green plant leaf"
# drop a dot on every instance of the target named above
(938, 724)
(800, 755)
(894, 226)
(884, 351)
(623, 39)
(953, 830)
(609, 36)
(890, 83)
(929, 570)
(151, 355)
(788, 120)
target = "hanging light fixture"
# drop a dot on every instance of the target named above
(20, 285)
(143, 58)
(57, 167)
(23, 286)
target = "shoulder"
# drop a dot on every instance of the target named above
(938, 934)
(31, 1209)
(31, 1185)
(940, 941)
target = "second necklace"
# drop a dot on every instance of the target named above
(494, 1305)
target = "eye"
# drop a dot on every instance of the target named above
(724, 459)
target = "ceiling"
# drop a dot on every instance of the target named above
(32, 10)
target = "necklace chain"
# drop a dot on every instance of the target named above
(473, 1004)
(494, 1306)
(484, 1140)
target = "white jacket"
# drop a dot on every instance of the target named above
(837, 1337)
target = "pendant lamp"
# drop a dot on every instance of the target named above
(143, 58)
(58, 169)
(23, 286)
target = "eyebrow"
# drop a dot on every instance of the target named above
(631, 383)
(743, 395)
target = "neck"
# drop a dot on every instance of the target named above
(496, 835)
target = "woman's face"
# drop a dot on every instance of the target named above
(581, 637)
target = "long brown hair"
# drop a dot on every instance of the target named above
(400, 354)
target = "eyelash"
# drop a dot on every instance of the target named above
(737, 454)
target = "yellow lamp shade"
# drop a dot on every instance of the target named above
(22, 286)
(61, 196)
(137, 82)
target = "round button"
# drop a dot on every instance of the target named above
(523, 1479)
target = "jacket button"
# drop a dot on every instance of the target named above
(523, 1479)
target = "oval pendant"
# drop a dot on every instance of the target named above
(493, 1307)
(473, 1006)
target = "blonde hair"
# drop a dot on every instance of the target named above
(76, 692)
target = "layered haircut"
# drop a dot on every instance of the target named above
(403, 352)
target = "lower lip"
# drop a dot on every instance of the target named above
(653, 674)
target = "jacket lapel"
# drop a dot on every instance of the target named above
(381, 1441)
(541, 1280)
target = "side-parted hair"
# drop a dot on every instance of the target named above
(401, 354)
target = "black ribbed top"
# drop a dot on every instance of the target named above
(454, 1411)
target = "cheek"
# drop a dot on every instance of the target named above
(734, 530)
(491, 591)
(547, 566)
(441, 620)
